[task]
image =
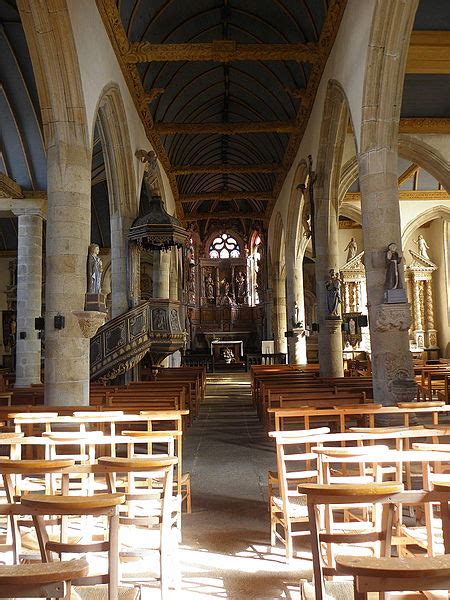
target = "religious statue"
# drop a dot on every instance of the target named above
(333, 286)
(209, 287)
(393, 260)
(226, 298)
(296, 322)
(423, 247)
(151, 172)
(94, 270)
(351, 249)
(228, 355)
(240, 284)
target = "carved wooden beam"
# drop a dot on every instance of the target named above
(227, 195)
(220, 51)
(413, 195)
(223, 216)
(212, 169)
(429, 52)
(226, 128)
(424, 125)
(9, 188)
(411, 170)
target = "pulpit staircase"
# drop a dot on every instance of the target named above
(153, 326)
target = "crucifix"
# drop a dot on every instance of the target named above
(308, 208)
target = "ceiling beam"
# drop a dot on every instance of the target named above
(228, 168)
(412, 195)
(226, 128)
(429, 52)
(223, 216)
(9, 188)
(411, 170)
(220, 51)
(424, 125)
(225, 195)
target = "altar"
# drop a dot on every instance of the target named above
(218, 347)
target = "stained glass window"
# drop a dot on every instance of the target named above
(224, 246)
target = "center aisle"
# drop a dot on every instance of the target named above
(225, 551)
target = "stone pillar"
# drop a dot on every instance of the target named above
(68, 237)
(29, 297)
(327, 257)
(295, 295)
(279, 311)
(161, 268)
(120, 226)
(391, 359)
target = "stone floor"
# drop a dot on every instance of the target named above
(225, 551)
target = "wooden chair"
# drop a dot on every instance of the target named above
(41, 580)
(152, 509)
(295, 463)
(377, 573)
(97, 506)
(333, 496)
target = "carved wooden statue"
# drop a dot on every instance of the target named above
(94, 270)
(393, 261)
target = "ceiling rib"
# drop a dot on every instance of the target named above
(226, 128)
(225, 195)
(220, 51)
(225, 168)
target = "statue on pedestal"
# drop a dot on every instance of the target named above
(333, 286)
(209, 288)
(422, 247)
(393, 260)
(351, 249)
(94, 270)
(240, 286)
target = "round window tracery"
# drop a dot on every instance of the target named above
(224, 246)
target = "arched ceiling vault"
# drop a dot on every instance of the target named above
(225, 88)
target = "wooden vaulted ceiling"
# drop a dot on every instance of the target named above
(225, 88)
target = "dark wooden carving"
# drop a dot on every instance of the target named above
(119, 345)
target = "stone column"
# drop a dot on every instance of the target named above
(297, 342)
(389, 323)
(29, 297)
(279, 311)
(68, 237)
(120, 226)
(327, 257)
(161, 268)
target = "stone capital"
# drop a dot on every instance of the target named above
(90, 321)
(391, 317)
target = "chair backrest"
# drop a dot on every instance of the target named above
(332, 496)
(99, 505)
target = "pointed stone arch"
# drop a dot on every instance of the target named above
(435, 212)
(425, 156)
(111, 120)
